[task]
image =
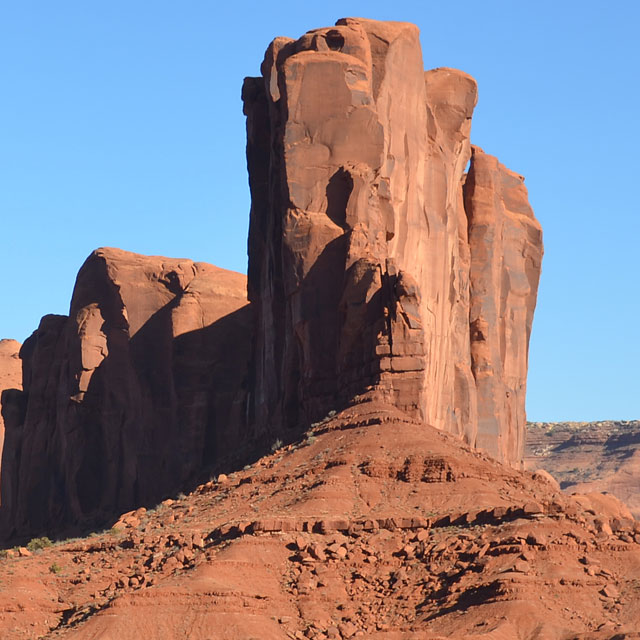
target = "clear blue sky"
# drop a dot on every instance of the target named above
(121, 125)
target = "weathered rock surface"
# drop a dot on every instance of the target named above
(10, 366)
(136, 391)
(368, 527)
(375, 264)
(589, 456)
(10, 380)
(506, 253)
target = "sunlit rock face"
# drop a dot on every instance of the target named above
(10, 383)
(376, 264)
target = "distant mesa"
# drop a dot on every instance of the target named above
(379, 271)
(584, 457)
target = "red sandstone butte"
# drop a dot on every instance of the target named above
(375, 264)
(133, 393)
(378, 270)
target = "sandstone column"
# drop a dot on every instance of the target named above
(361, 262)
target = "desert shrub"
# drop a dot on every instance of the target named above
(55, 568)
(36, 544)
(276, 445)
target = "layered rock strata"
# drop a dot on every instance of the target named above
(589, 456)
(135, 392)
(375, 264)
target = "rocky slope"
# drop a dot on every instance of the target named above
(589, 456)
(374, 260)
(128, 397)
(371, 526)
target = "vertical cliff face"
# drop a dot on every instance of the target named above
(506, 254)
(133, 393)
(450, 401)
(368, 267)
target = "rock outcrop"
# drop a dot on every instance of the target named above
(10, 380)
(506, 253)
(376, 265)
(379, 270)
(136, 391)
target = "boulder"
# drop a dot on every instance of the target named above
(134, 393)
(375, 263)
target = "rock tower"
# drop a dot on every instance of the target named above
(377, 263)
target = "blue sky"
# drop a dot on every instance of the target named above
(121, 125)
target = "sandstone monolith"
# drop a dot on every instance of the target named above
(389, 261)
(376, 265)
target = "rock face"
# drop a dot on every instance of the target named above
(10, 367)
(506, 252)
(135, 392)
(10, 380)
(589, 456)
(375, 264)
